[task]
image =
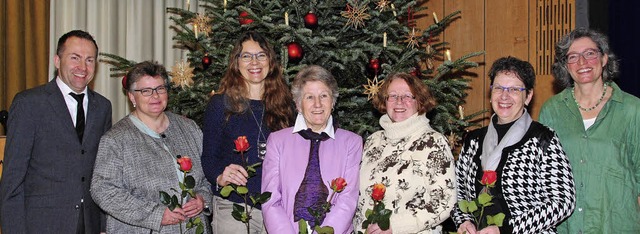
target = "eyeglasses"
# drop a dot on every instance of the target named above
(588, 54)
(247, 57)
(403, 98)
(511, 90)
(162, 89)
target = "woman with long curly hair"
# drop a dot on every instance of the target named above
(253, 101)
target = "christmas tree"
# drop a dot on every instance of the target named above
(359, 41)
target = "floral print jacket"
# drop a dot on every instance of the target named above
(415, 163)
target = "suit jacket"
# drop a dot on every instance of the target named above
(47, 171)
(284, 167)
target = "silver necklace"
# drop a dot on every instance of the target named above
(261, 142)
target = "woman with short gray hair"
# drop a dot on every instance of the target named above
(300, 183)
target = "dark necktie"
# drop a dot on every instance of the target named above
(312, 192)
(79, 115)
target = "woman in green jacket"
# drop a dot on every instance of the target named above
(599, 127)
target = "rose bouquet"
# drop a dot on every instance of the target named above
(337, 186)
(243, 213)
(477, 206)
(186, 186)
(379, 214)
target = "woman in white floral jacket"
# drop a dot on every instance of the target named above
(411, 159)
(534, 186)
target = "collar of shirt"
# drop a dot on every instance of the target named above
(301, 124)
(64, 88)
(71, 103)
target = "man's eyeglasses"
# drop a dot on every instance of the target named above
(588, 54)
(511, 90)
(402, 98)
(162, 89)
(247, 57)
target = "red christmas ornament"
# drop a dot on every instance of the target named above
(206, 61)
(374, 66)
(124, 82)
(310, 20)
(244, 18)
(415, 71)
(295, 52)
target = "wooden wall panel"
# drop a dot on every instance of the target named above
(524, 29)
(465, 35)
(550, 20)
(507, 34)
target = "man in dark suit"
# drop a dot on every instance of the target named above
(53, 137)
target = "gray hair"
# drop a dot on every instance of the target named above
(313, 73)
(560, 72)
(146, 68)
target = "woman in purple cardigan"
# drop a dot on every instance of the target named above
(302, 161)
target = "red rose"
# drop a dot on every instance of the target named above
(489, 177)
(242, 144)
(185, 163)
(378, 192)
(338, 184)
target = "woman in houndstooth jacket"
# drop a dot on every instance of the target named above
(535, 188)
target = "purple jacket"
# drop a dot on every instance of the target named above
(283, 171)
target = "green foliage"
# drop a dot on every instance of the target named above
(242, 212)
(239, 213)
(186, 187)
(197, 223)
(242, 190)
(378, 215)
(495, 219)
(226, 191)
(484, 199)
(189, 182)
(324, 230)
(344, 50)
(167, 200)
(476, 208)
(302, 227)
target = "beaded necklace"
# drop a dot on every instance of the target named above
(604, 91)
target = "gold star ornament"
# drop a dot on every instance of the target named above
(412, 38)
(356, 15)
(382, 5)
(202, 23)
(372, 87)
(182, 74)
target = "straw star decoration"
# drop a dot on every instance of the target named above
(182, 74)
(430, 53)
(203, 22)
(382, 5)
(372, 87)
(412, 39)
(356, 15)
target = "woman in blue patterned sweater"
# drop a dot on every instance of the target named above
(534, 186)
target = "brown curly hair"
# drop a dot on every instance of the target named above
(424, 99)
(276, 96)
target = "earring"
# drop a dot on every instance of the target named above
(134, 105)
